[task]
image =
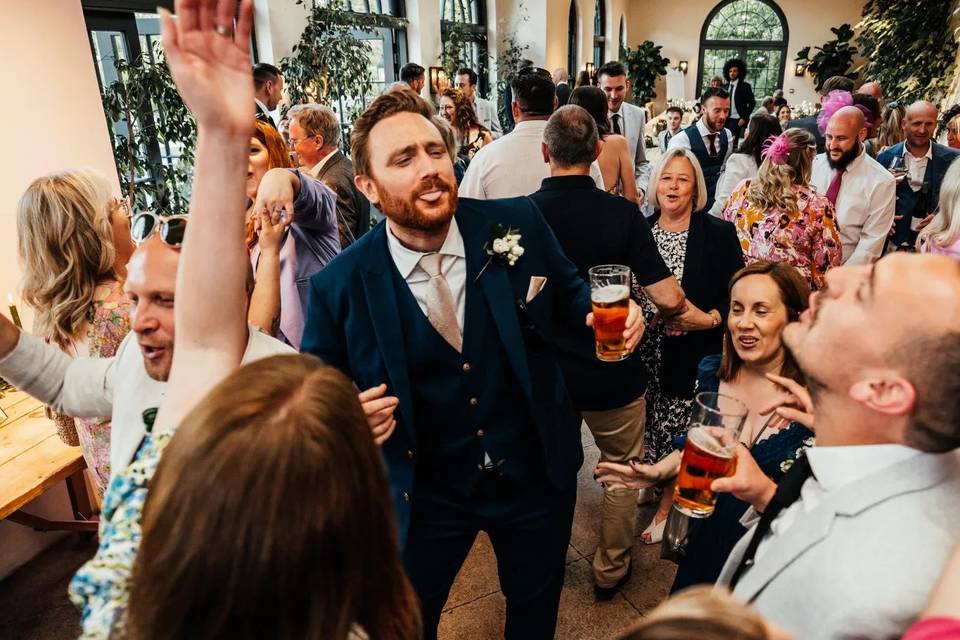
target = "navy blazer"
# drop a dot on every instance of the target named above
(810, 124)
(353, 324)
(713, 256)
(906, 197)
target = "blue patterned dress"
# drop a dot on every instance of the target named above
(712, 539)
(101, 588)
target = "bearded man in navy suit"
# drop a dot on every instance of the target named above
(447, 313)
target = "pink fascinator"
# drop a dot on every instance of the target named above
(834, 101)
(776, 149)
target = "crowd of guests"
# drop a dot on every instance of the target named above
(441, 383)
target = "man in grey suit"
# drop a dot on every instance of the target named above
(855, 535)
(315, 137)
(626, 119)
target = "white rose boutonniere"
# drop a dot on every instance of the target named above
(503, 246)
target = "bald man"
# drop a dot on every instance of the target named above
(562, 79)
(926, 162)
(872, 89)
(862, 191)
(125, 386)
(858, 530)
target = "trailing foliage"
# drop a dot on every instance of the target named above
(457, 41)
(153, 134)
(330, 64)
(834, 58)
(910, 47)
(512, 52)
(644, 65)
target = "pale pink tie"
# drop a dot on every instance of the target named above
(441, 311)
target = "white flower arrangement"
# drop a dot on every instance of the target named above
(504, 247)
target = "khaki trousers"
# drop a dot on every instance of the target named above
(619, 436)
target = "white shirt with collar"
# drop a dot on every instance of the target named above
(734, 114)
(834, 468)
(317, 168)
(263, 107)
(512, 166)
(865, 205)
(453, 266)
(917, 167)
(682, 140)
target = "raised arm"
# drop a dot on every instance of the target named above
(212, 71)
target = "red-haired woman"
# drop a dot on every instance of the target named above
(458, 111)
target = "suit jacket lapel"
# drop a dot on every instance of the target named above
(334, 160)
(913, 474)
(693, 259)
(498, 292)
(382, 303)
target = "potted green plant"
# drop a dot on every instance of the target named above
(834, 58)
(644, 66)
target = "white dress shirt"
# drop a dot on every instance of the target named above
(453, 266)
(917, 167)
(865, 205)
(733, 103)
(662, 141)
(317, 168)
(487, 115)
(512, 166)
(117, 388)
(739, 167)
(682, 140)
(834, 468)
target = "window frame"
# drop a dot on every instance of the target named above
(599, 32)
(477, 28)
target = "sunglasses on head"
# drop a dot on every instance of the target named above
(170, 228)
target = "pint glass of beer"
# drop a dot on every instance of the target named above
(710, 451)
(610, 295)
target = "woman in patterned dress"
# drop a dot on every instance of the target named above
(779, 217)
(703, 253)
(74, 243)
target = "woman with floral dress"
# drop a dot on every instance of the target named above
(779, 217)
(74, 243)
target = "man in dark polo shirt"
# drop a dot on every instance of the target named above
(594, 228)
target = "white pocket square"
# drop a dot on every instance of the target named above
(537, 283)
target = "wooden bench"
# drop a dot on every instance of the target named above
(33, 459)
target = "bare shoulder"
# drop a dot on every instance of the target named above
(616, 141)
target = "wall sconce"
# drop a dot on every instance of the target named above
(590, 67)
(438, 81)
(683, 66)
(799, 69)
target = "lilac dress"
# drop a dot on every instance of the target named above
(309, 243)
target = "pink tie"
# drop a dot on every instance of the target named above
(834, 190)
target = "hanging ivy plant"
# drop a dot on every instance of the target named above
(512, 52)
(910, 47)
(644, 65)
(456, 49)
(330, 64)
(152, 132)
(834, 58)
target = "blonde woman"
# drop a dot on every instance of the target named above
(942, 235)
(953, 132)
(891, 126)
(779, 217)
(74, 243)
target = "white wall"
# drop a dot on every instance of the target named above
(54, 121)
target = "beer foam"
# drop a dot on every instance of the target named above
(708, 442)
(610, 293)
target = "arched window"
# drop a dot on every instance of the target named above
(599, 29)
(573, 45)
(463, 25)
(622, 51)
(752, 30)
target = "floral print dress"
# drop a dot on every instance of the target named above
(108, 323)
(806, 238)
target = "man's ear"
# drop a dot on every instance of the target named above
(886, 392)
(545, 151)
(556, 102)
(515, 110)
(863, 134)
(368, 188)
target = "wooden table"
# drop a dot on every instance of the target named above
(33, 459)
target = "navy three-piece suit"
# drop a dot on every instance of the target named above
(486, 439)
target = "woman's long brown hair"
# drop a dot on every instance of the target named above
(269, 516)
(795, 295)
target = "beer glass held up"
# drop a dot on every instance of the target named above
(610, 295)
(709, 453)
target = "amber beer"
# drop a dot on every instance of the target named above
(610, 295)
(704, 460)
(709, 453)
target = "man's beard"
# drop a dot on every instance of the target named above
(845, 159)
(407, 214)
